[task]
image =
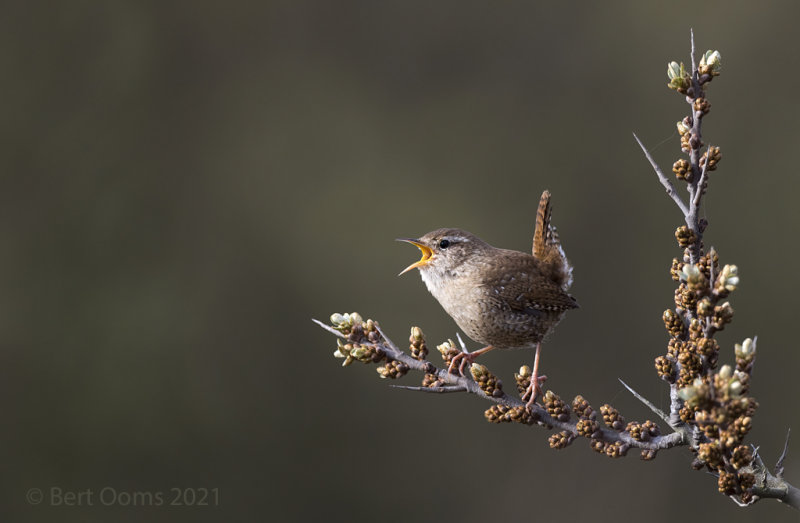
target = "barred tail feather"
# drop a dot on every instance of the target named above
(547, 246)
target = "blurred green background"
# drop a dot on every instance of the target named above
(186, 184)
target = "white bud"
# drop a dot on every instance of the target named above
(690, 273)
(687, 393)
(736, 388)
(713, 59)
(726, 372)
(673, 70)
(729, 277)
(747, 348)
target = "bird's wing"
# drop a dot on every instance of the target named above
(520, 285)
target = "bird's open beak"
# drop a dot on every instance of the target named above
(426, 254)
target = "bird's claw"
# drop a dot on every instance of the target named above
(534, 391)
(462, 358)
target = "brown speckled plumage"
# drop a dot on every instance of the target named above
(501, 298)
(496, 296)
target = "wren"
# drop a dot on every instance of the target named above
(500, 298)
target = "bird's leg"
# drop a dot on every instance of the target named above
(534, 389)
(466, 357)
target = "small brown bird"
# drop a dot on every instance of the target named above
(501, 298)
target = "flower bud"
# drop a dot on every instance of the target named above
(729, 278)
(477, 370)
(678, 77)
(735, 388)
(711, 62)
(747, 348)
(673, 70)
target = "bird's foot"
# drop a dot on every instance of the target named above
(534, 390)
(464, 357)
(461, 359)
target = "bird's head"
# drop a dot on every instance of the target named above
(444, 250)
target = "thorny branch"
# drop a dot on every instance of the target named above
(538, 415)
(710, 408)
(714, 403)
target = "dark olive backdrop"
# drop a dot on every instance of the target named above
(185, 185)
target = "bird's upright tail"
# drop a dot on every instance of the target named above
(547, 246)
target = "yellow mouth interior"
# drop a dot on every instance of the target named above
(426, 255)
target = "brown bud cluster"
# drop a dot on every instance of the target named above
(742, 457)
(686, 142)
(701, 105)
(505, 414)
(561, 439)
(723, 314)
(651, 429)
(673, 323)
(691, 365)
(555, 406)
(488, 382)
(448, 350)
(685, 131)
(675, 269)
(612, 417)
(685, 236)
(616, 450)
(695, 330)
(393, 369)
(634, 428)
(727, 483)
(708, 348)
(686, 296)
(710, 454)
(665, 369)
(686, 413)
(587, 427)
(582, 408)
(709, 262)
(419, 351)
(686, 377)
(682, 169)
(741, 426)
(705, 308)
(712, 156)
(745, 356)
(598, 445)
(746, 480)
(431, 381)
(351, 352)
(523, 379)
(648, 454)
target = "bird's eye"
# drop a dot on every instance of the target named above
(444, 244)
